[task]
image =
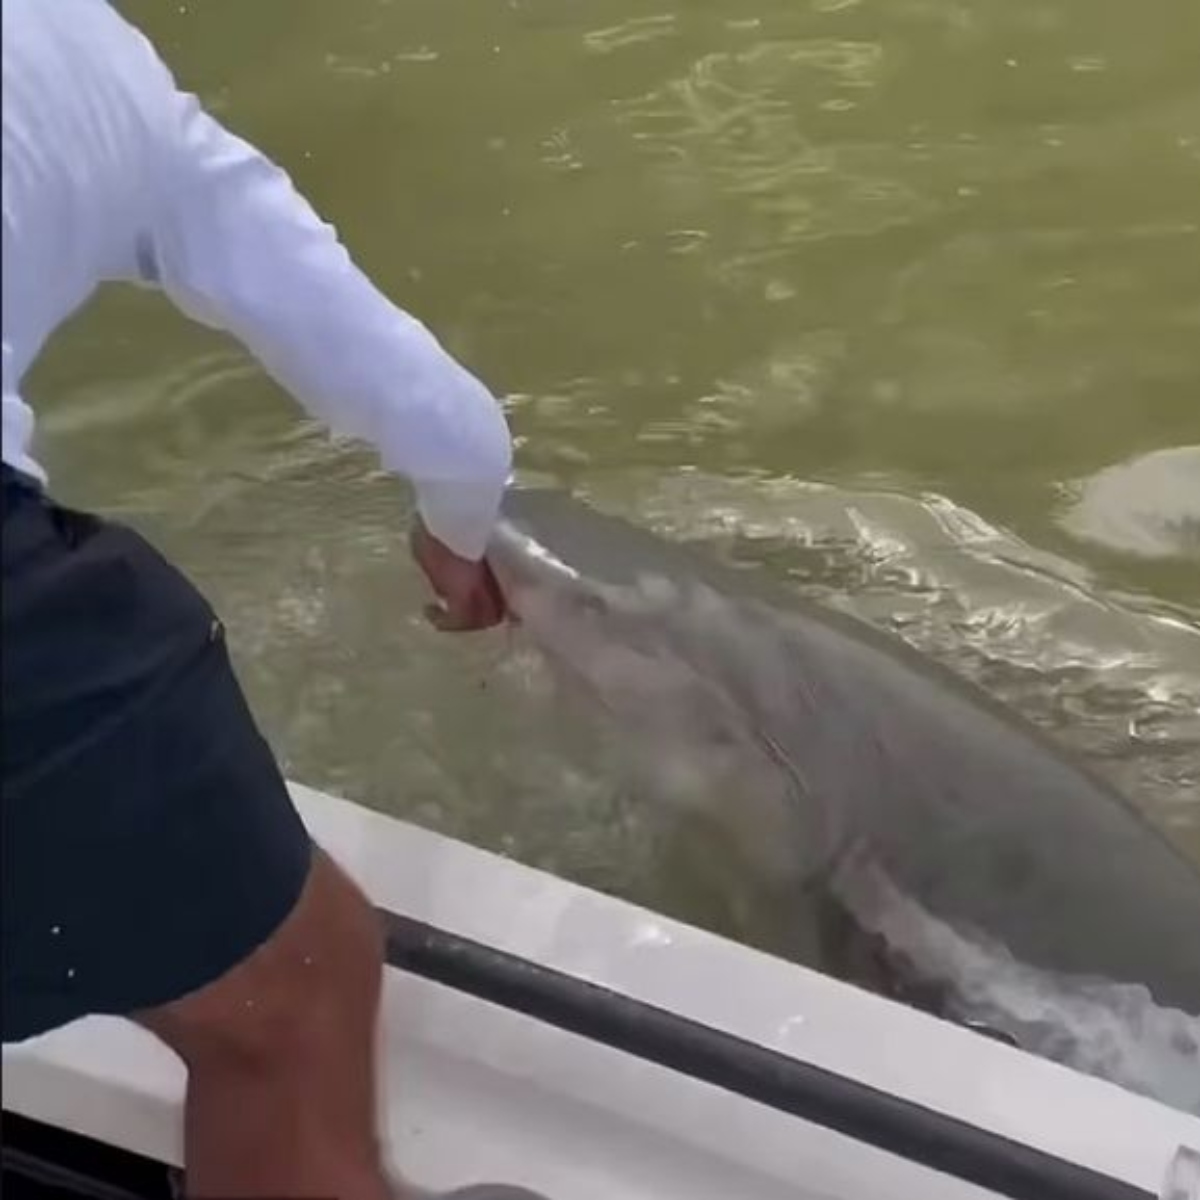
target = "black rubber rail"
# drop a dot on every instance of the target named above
(57, 1179)
(41, 1161)
(891, 1123)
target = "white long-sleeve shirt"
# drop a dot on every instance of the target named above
(112, 173)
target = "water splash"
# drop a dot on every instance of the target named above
(1110, 1030)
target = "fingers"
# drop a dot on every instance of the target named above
(468, 597)
(445, 620)
(477, 610)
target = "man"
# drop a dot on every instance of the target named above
(153, 866)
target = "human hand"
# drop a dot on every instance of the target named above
(468, 596)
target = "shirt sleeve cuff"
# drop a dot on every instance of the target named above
(461, 516)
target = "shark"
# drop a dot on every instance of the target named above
(957, 857)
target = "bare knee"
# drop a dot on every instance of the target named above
(310, 991)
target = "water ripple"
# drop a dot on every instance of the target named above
(1117, 680)
(633, 32)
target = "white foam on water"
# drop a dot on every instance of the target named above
(1111, 1030)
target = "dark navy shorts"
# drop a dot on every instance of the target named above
(149, 842)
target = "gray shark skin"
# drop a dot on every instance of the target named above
(891, 775)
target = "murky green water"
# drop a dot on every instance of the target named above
(877, 293)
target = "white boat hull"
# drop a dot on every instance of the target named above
(476, 1092)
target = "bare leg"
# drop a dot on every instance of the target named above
(281, 1057)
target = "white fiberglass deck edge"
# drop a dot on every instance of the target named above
(477, 1092)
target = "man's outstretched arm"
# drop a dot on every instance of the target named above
(236, 246)
(232, 242)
